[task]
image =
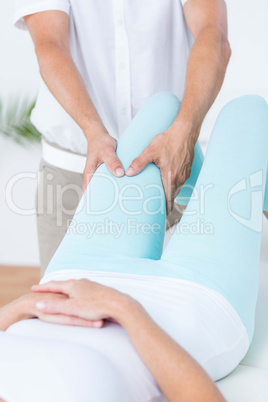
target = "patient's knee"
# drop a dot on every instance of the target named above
(166, 100)
(165, 96)
(246, 105)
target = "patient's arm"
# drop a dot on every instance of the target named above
(13, 312)
(178, 375)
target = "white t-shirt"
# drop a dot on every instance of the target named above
(125, 51)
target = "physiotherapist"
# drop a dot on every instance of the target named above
(99, 62)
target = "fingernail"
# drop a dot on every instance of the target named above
(119, 172)
(40, 305)
(97, 324)
(130, 171)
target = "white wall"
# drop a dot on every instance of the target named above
(19, 69)
(19, 77)
(248, 68)
(247, 73)
(18, 234)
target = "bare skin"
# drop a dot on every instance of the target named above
(86, 303)
(172, 150)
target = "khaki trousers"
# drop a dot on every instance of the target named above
(58, 194)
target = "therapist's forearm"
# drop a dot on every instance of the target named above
(207, 63)
(65, 82)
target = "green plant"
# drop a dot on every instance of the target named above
(15, 120)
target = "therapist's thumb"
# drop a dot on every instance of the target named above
(113, 163)
(140, 163)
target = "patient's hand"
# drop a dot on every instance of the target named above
(84, 299)
(25, 307)
(56, 318)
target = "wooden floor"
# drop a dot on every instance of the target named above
(16, 281)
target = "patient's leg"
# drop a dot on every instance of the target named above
(217, 242)
(123, 216)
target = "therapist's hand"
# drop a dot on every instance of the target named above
(101, 149)
(173, 152)
(86, 300)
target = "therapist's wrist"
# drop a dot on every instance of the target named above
(189, 119)
(93, 129)
(184, 129)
